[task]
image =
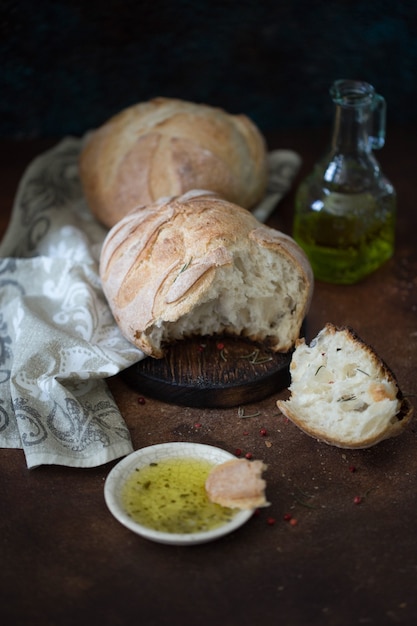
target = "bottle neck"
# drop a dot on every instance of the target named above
(350, 130)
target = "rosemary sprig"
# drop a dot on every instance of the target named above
(255, 359)
(184, 267)
(347, 398)
(241, 413)
(358, 369)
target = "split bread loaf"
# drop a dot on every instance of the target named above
(342, 392)
(165, 147)
(237, 484)
(199, 265)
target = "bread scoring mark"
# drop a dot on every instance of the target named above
(135, 165)
(117, 248)
(191, 274)
(136, 229)
(139, 263)
(193, 163)
(111, 249)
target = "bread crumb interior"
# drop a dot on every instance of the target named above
(258, 296)
(337, 390)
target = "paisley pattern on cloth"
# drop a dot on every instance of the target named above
(58, 338)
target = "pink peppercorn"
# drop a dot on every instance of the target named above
(271, 521)
(287, 517)
(263, 432)
(238, 452)
(357, 500)
(248, 455)
(141, 400)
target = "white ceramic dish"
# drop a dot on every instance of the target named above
(152, 454)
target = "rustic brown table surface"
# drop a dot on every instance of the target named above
(65, 560)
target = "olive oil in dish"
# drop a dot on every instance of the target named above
(169, 496)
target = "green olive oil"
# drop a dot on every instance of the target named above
(170, 496)
(345, 236)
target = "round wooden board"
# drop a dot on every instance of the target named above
(211, 372)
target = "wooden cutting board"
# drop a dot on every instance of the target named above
(211, 372)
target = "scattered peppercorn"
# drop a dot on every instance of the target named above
(352, 468)
(141, 400)
(271, 521)
(287, 517)
(220, 346)
(357, 500)
(293, 521)
(198, 425)
(263, 432)
(238, 452)
(248, 455)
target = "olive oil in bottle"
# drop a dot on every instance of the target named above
(345, 210)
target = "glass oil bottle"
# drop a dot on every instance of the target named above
(345, 210)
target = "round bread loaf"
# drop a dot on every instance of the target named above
(343, 393)
(200, 265)
(166, 147)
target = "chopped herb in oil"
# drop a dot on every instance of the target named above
(170, 496)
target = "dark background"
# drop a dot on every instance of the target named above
(67, 65)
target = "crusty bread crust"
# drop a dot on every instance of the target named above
(343, 393)
(166, 147)
(199, 265)
(237, 484)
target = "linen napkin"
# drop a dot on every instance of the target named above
(58, 339)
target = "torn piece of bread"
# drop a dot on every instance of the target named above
(342, 392)
(198, 265)
(165, 147)
(237, 484)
